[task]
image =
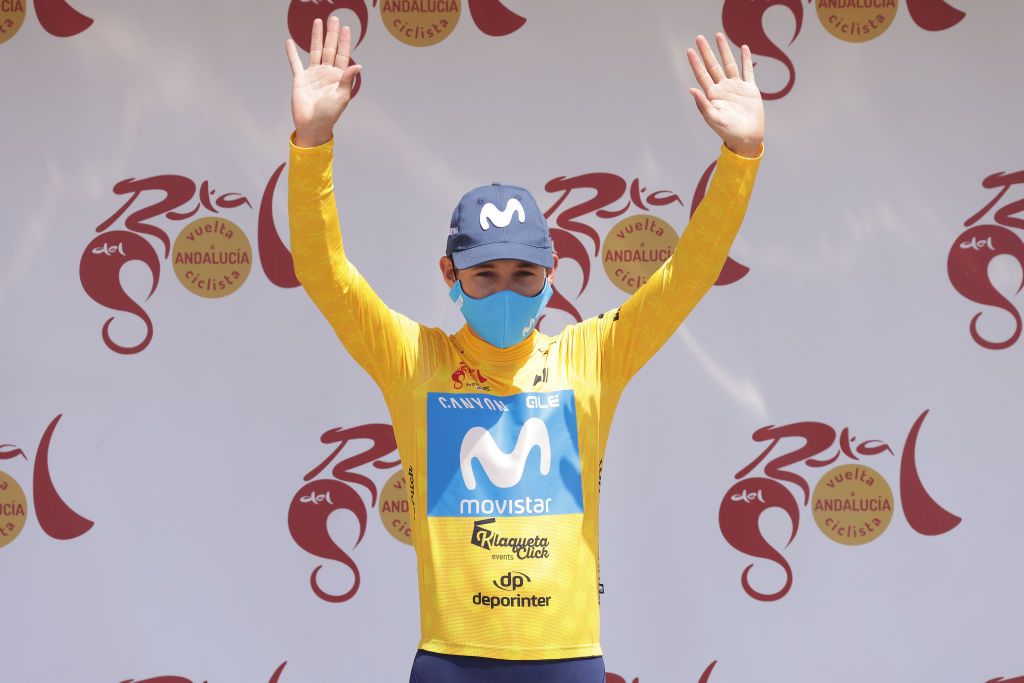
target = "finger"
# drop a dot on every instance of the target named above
(703, 104)
(293, 57)
(712, 65)
(344, 47)
(348, 78)
(728, 62)
(331, 44)
(748, 64)
(316, 43)
(699, 72)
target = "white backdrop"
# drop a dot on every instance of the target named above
(186, 454)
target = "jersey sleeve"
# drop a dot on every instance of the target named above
(392, 348)
(628, 336)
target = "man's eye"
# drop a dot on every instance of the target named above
(485, 273)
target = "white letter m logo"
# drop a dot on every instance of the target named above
(504, 469)
(501, 219)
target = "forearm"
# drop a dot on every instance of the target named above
(704, 246)
(383, 342)
(654, 312)
(318, 253)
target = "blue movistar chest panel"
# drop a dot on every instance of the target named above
(503, 456)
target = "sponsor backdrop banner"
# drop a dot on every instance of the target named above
(816, 479)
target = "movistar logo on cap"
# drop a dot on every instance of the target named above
(502, 219)
(520, 230)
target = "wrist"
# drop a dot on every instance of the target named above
(745, 148)
(311, 137)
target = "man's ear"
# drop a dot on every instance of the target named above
(554, 267)
(447, 271)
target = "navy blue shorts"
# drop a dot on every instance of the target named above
(431, 667)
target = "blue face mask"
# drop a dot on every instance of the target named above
(504, 318)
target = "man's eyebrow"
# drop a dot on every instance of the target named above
(525, 264)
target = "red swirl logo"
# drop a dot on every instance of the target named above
(974, 250)
(743, 23)
(316, 500)
(814, 445)
(490, 16)
(274, 678)
(57, 17)
(56, 518)
(138, 232)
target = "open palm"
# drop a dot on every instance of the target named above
(729, 102)
(321, 92)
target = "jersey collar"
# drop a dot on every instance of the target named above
(478, 348)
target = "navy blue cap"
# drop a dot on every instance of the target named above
(498, 221)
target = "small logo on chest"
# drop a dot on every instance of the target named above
(466, 376)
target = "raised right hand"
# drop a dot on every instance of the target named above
(322, 91)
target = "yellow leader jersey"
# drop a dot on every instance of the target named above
(503, 448)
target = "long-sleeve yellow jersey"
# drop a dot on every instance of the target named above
(503, 448)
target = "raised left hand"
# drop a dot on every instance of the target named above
(729, 102)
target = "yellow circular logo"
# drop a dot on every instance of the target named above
(394, 508)
(420, 22)
(212, 257)
(12, 509)
(12, 16)
(635, 248)
(856, 21)
(852, 504)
